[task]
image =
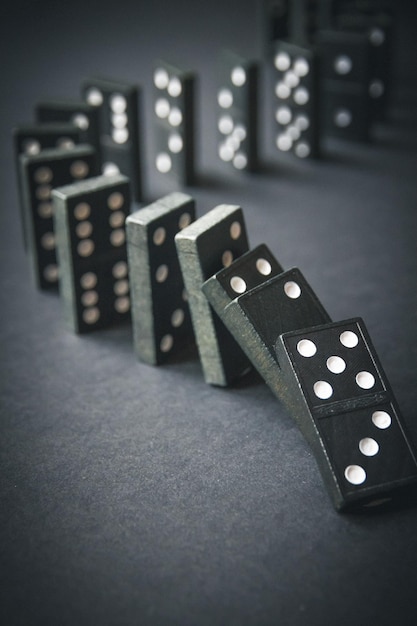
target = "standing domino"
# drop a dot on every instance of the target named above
(160, 313)
(237, 100)
(174, 123)
(117, 105)
(210, 243)
(297, 105)
(91, 245)
(31, 139)
(40, 173)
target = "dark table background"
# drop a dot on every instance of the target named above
(134, 495)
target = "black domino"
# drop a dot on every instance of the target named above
(160, 313)
(345, 68)
(118, 108)
(237, 120)
(296, 99)
(378, 27)
(174, 123)
(41, 173)
(91, 244)
(31, 139)
(209, 244)
(257, 302)
(81, 115)
(339, 395)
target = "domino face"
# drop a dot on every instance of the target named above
(379, 30)
(248, 271)
(40, 173)
(210, 243)
(295, 71)
(91, 244)
(117, 104)
(256, 316)
(174, 123)
(31, 140)
(237, 112)
(345, 82)
(160, 313)
(81, 115)
(340, 397)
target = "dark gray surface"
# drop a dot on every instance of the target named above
(139, 495)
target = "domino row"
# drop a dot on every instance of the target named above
(180, 278)
(335, 85)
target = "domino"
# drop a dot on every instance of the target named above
(118, 107)
(345, 79)
(160, 313)
(340, 397)
(40, 173)
(81, 115)
(91, 245)
(257, 301)
(174, 123)
(296, 100)
(378, 27)
(211, 242)
(237, 121)
(31, 139)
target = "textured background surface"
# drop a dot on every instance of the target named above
(139, 495)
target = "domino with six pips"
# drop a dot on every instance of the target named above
(237, 100)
